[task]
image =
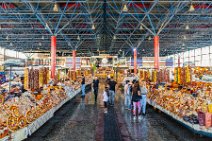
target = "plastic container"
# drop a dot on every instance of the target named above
(208, 120)
(210, 108)
(201, 118)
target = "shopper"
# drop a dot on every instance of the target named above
(83, 86)
(96, 87)
(105, 98)
(144, 92)
(136, 97)
(112, 84)
(108, 79)
(127, 95)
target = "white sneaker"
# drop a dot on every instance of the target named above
(139, 117)
(134, 118)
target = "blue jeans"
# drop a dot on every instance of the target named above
(127, 101)
(112, 97)
(143, 104)
(83, 89)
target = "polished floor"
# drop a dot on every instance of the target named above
(80, 120)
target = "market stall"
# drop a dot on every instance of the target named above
(188, 102)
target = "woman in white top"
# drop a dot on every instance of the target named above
(105, 98)
(127, 95)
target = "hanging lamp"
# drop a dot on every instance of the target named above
(187, 27)
(78, 37)
(93, 27)
(56, 8)
(125, 9)
(191, 8)
(149, 38)
(141, 27)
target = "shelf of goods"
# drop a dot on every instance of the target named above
(144, 75)
(190, 105)
(104, 72)
(159, 76)
(35, 78)
(182, 75)
(121, 75)
(21, 116)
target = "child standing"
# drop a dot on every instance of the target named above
(105, 98)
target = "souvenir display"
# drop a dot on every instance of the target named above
(188, 103)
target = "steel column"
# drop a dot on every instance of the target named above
(156, 52)
(178, 60)
(135, 61)
(53, 56)
(74, 59)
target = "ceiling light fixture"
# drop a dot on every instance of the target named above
(78, 37)
(7, 37)
(40, 44)
(191, 8)
(149, 38)
(141, 27)
(93, 27)
(11, 44)
(187, 27)
(56, 8)
(125, 9)
(184, 37)
(46, 26)
(114, 37)
(42, 37)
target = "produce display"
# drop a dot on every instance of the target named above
(163, 75)
(35, 78)
(191, 103)
(182, 75)
(74, 85)
(72, 75)
(145, 75)
(18, 111)
(200, 71)
(103, 72)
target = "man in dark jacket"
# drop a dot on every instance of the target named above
(95, 87)
(112, 85)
